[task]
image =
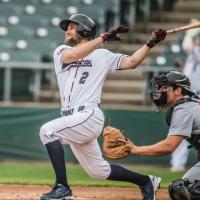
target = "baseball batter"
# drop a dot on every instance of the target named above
(81, 69)
(183, 117)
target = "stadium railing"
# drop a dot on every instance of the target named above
(37, 68)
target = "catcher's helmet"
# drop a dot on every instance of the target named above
(171, 78)
(176, 78)
(86, 27)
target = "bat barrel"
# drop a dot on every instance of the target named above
(183, 28)
(172, 30)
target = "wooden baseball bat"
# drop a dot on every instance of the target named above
(183, 28)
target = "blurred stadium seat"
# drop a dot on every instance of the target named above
(22, 2)
(19, 32)
(107, 4)
(56, 34)
(33, 21)
(50, 11)
(168, 59)
(44, 47)
(64, 3)
(25, 56)
(10, 9)
(111, 7)
(3, 20)
(21, 56)
(26, 2)
(6, 44)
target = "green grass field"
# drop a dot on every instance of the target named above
(42, 173)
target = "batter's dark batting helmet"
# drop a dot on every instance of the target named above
(86, 27)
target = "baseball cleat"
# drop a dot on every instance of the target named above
(58, 192)
(149, 190)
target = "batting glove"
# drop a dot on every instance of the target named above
(156, 37)
(112, 35)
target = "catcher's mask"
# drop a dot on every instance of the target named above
(85, 25)
(160, 84)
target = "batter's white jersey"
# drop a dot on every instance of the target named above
(81, 82)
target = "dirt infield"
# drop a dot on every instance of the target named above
(33, 192)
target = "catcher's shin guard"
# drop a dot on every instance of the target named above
(178, 190)
(194, 190)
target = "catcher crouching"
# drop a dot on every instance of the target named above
(172, 90)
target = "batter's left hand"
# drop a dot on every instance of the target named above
(112, 34)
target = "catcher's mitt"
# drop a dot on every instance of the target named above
(115, 145)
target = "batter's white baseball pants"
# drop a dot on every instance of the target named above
(80, 130)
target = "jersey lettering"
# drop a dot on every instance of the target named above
(81, 63)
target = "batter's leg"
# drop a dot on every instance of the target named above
(56, 155)
(90, 157)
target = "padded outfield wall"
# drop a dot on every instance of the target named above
(19, 128)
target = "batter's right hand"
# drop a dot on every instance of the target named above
(156, 37)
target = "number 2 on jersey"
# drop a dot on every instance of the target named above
(83, 77)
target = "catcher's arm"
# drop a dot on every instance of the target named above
(163, 147)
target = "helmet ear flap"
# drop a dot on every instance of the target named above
(82, 32)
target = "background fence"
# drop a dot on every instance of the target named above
(20, 127)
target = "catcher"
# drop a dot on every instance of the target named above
(173, 90)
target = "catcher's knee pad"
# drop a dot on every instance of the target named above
(178, 190)
(185, 190)
(194, 189)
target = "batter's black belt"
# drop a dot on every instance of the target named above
(66, 112)
(73, 110)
